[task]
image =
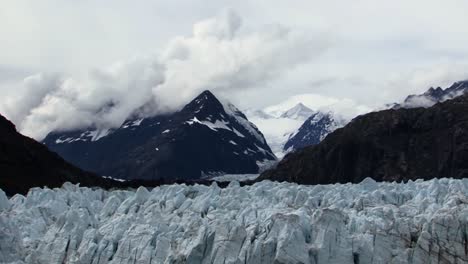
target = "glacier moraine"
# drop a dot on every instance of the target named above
(416, 222)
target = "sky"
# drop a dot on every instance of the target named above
(66, 64)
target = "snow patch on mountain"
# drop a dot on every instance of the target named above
(218, 124)
(370, 222)
(231, 110)
(133, 123)
(90, 135)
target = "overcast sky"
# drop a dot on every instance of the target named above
(63, 62)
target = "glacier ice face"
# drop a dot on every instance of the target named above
(417, 222)
(4, 203)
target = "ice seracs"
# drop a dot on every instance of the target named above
(4, 203)
(417, 222)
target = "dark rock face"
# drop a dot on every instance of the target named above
(314, 130)
(391, 145)
(25, 163)
(206, 137)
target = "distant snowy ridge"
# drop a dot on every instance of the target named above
(294, 128)
(417, 222)
(278, 125)
(298, 112)
(433, 96)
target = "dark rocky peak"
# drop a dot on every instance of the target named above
(6, 126)
(434, 92)
(205, 137)
(457, 88)
(433, 96)
(207, 110)
(203, 105)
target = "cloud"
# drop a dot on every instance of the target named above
(397, 86)
(220, 55)
(104, 99)
(29, 95)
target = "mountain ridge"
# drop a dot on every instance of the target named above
(433, 96)
(205, 137)
(26, 163)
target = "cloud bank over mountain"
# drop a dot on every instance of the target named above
(369, 52)
(220, 55)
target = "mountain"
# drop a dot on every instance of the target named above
(298, 112)
(433, 96)
(320, 124)
(313, 130)
(278, 125)
(25, 163)
(205, 138)
(390, 145)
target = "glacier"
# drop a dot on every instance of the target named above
(268, 222)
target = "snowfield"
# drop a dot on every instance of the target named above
(417, 222)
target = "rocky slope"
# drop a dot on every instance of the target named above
(25, 163)
(418, 222)
(205, 138)
(313, 130)
(390, 145)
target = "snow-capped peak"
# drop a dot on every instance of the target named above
(314, 130)
(201, 134)
(208, 104)
(299, 111)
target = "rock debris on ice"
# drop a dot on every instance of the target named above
(417, 222)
